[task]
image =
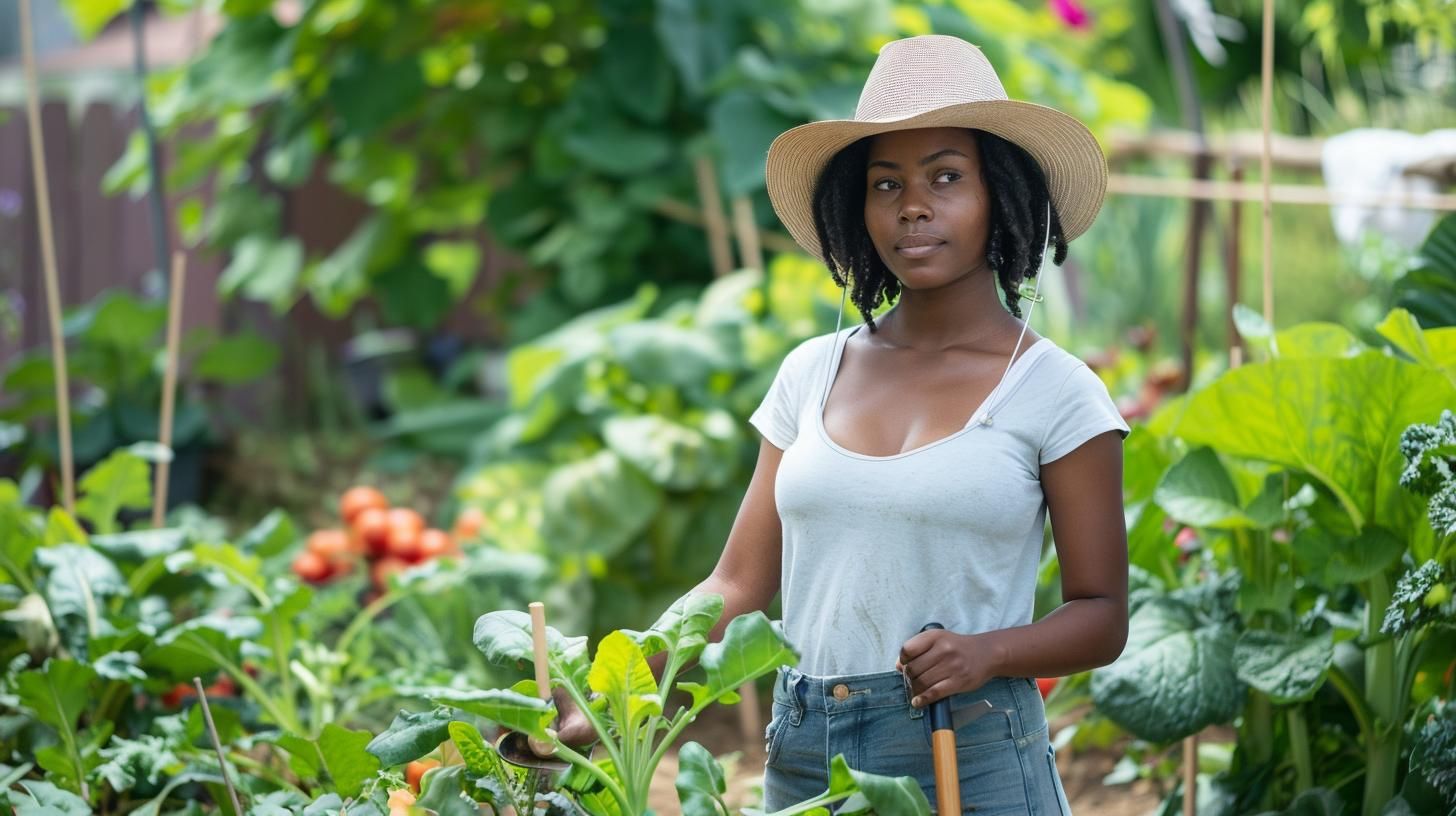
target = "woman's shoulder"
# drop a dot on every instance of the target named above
(1057, 368)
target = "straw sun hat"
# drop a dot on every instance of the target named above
(936, 80)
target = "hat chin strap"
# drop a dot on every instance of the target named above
(1034, 298)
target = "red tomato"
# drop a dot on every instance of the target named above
(469, 523)
(358, 499)
(372, 527)
(177, 694)
(385, 567)
(434, 543)
(311, 567)
(1045, 685)
(331, 545)
(405, 528)
(415, 771)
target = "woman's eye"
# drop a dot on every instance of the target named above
(877, 185)
(947, 173)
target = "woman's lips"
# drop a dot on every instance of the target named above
(920, 251)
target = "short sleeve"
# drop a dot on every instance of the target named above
(777, 417)
(1083, 409)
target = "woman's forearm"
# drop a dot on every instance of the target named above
(1081, 634)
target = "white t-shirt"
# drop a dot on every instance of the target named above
(875, 547)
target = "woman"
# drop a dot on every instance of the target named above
(908, 463)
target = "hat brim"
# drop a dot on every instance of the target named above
(1069, 155)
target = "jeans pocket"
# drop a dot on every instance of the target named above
(1064, 808)
(771, 733)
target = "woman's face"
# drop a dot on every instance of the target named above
(926, 207)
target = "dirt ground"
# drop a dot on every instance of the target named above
(719, 730)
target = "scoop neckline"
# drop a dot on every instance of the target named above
(971, 424)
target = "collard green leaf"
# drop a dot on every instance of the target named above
(57, 692)
(411, 736)
(1288, 666)
(147, 758)
(121, 481)
(1174, 677)
(1333, 560)
(44, 799)
(442, 791)
(1198, 491)
(752, 646)
(504, 637)
(620, 668)
(271, 536)
(597, 505)
(79, 579)
(528, 715)
(673, 455)
(882, 795)
(139, 545)
(700, 785)
(345, 757)
(1336, 419)
(683, 629)
(480, 757)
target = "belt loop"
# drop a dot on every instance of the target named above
(915, 713)
(796, 688)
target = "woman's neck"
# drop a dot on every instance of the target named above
(966, 312)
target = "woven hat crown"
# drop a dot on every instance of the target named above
(924, 73)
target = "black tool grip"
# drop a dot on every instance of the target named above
(940, 709)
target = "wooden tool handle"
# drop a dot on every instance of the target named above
(947, 773)
(543, 672)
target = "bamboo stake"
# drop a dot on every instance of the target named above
(1311, 194)
(713, 218)
(169, 388)
(750, 249)
(1233, 268)
(48, 259)
(1266, 159)
(1190, 776)
(216, 741)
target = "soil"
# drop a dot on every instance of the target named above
(719, 730)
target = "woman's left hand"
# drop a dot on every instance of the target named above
(940, 663)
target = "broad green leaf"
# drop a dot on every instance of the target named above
(658, 352)
(528, 715)
(271, 536)
(57, 692)
(227, 721)
(455, 262)
(223, 565)
(120, 666)
(1174, 677)
(504, 637)
(140, 545)
(1316, 340)
(346, 759)
(683, 629)
(480, 758)
(79, 580)
(1313, 802)
(61, 528)
(90, 16)
(303, 755)
(411, 736)
(264, 269)
(442, 793)
(743, 125)
(620, 668)
(597, 505)
(121, 481)
(700, 785)
(1433, 348)
(673, 455)
(1198, 491)
(201, 646)
(1289, 667)
(752, 646)
(236, 360)
(148, 758)
(1338, 420)
(882, 795)
(44, 799)
(1333, 560)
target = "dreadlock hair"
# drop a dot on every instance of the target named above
(1018, 222)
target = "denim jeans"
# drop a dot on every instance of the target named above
(1006, 763)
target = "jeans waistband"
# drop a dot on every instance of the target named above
(840, 693)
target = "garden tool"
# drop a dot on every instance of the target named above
(943, 727)
(515, 747)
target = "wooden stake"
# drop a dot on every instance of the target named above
(1233, 268)
(750, 249)
(1266, 161)
(713, 218)
(1190, 776)
(227, 779)
(48, 259)
(543, 672)
(169, 387)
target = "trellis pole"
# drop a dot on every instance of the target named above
(169, 388)
(48, 259)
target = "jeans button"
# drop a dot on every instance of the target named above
(841, 692)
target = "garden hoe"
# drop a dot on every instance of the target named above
(515, 747)
(943, 747)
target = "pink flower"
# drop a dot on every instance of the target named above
(1070, 13)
